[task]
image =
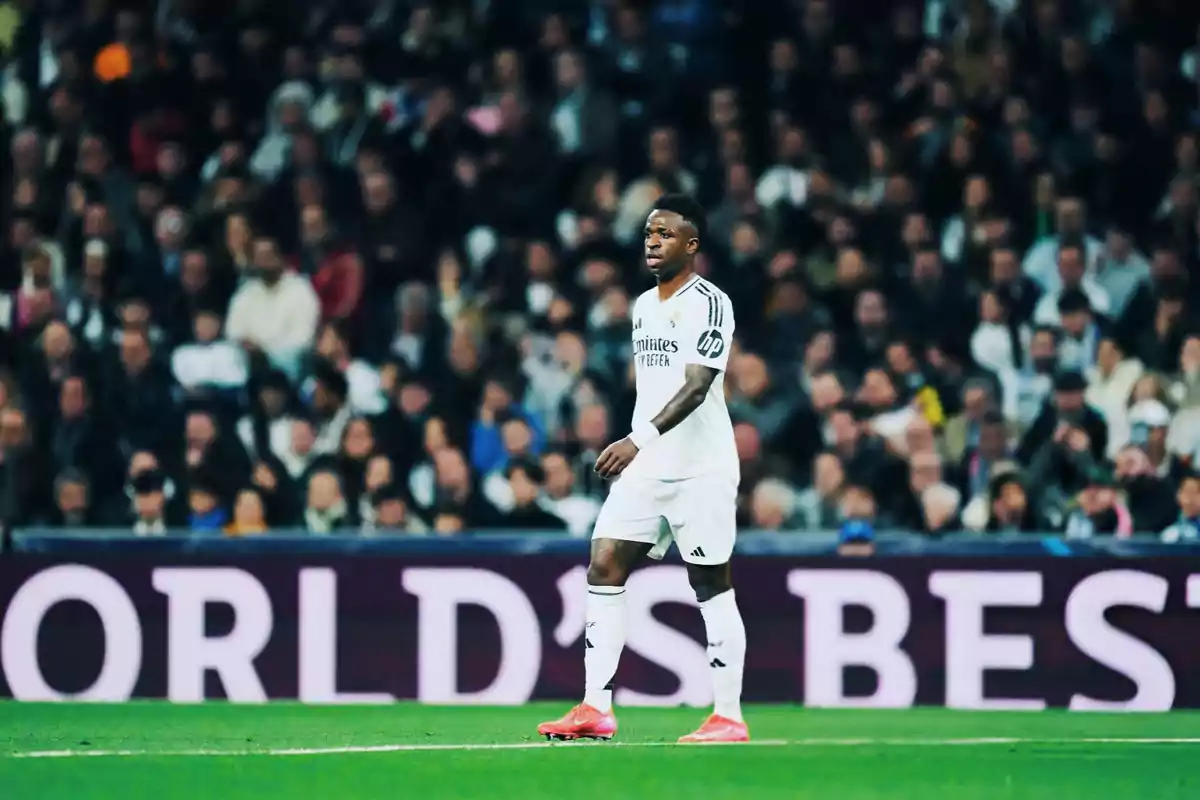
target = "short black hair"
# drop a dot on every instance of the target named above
(997, 483)
(329, 376)
(687, 207)
(531, 468)
(1171, 289)
(1047, 329)
(387, 492)
(1073, 301)
(1070, 243)
(993, 417)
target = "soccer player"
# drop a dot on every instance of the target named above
(676, 478)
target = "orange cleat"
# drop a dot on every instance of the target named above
(581, 722)
(718, 730)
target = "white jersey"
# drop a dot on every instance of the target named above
(693, 326)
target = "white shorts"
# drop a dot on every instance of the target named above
(698, 514)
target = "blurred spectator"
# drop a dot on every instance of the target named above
(563, 499)
(1100, 510)
(209, 363)
(1008, 509)
(390, 514)
(1066, 411)
(1147, 494)
(772, 505)
(525, 479)
(939, 508)
(820, 505)
(72, 501)
(149, 504)
(325, 511)
(1073, 285)
(1149, 421)
(857, 535)
(962, 432)
(274, 312)
(456, 495)
(1110, 384)
(363, 385)
(207, 512)
(1187, 527)
(249, 513)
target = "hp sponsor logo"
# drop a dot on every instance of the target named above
(710, 344)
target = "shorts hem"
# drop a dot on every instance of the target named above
(627, 536)
(705, 561)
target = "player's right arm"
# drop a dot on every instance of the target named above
(697, 380)
(705, 351)
(704, 347)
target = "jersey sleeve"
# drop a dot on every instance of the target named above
(708, 335)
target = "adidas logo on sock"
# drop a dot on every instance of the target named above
(716, 662)
(698, 552)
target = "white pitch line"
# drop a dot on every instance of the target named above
(378, 748)
(1137, 741)
(409, 748)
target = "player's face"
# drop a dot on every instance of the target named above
(670, 243)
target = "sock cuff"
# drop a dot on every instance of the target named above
(716, 601)
(606, 591)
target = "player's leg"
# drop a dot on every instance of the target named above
(705, 531)
(604, 634)
(726, 635)
(628, 528)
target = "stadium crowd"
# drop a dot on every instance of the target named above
(367, 266)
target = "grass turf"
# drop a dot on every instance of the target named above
(900, 755)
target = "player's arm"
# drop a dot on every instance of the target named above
(697, 379)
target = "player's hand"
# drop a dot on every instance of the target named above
(615, 458)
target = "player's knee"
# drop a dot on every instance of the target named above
(606, 572)
(607, 568)
(709, 581)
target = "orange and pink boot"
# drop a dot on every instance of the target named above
(581, 722)
(718, 730)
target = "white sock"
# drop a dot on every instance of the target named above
(726, 653)
(604, 639)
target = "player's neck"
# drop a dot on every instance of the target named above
(668, 288)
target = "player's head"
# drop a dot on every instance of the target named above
(674, 231)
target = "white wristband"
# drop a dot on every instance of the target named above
(643, 434)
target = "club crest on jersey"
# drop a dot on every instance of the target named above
(710, 344)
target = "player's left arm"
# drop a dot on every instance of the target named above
(705, 352)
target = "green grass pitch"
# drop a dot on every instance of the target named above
(153, 750)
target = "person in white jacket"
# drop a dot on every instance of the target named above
(276, 312)
(287, 112)
(1110, 383)
(209, 362)
(1070, 222)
